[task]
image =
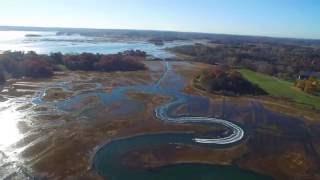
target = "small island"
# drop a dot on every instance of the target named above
(32, 35)
(156, 41)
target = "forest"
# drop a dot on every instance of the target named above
(281, 60)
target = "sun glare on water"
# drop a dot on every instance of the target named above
(9, 132)
(11, 35)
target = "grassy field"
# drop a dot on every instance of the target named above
(280, 88)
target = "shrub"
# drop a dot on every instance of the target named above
(84, 61)
(37, 68)
(19, 64)
(56, 58)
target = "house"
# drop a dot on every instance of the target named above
(307, 74)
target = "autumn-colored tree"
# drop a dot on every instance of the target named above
(136, 53)
(216, 72)
(18, 64)
(56, 58)
(311, 85)
(84, 61)
(227, 81)
(276, 59)
(119, 62)
(37, 68)
(300, 84)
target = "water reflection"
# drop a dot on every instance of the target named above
(47, 42)
(8, 36)
(9, 118)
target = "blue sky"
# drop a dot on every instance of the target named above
(284, 18)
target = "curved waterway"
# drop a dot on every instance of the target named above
(107, 160)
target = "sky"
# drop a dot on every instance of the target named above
(279, 18)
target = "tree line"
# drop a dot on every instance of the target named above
(31, 64)
(280, 60)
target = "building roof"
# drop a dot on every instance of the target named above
(310, 74)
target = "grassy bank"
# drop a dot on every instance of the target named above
(280, 88)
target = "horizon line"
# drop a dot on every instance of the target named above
(155, 30)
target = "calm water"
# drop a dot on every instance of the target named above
(108, 162)
(48, 42)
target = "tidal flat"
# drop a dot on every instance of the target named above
(60, 127)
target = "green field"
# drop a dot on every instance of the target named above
(280, 88)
